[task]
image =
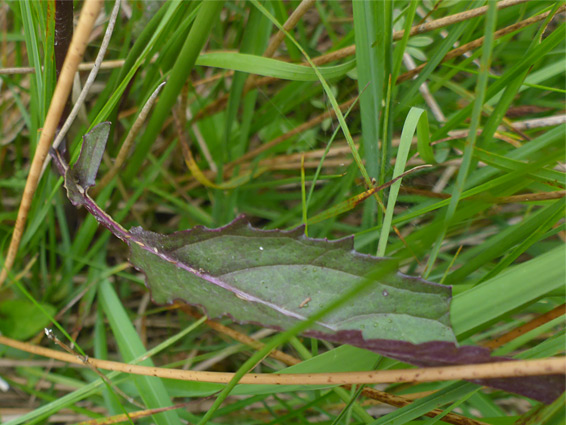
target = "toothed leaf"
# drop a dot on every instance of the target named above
(277, 278)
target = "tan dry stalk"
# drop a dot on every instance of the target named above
(288, 26)
(127, 417)
(532, 197)
(85, 66)
(89, 13)
(459, 17)
(524, 197)
(540, 122)
(381, 396)
(506, 369)
(90, 79)
(523, 329)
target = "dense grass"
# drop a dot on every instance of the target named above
(487, 216)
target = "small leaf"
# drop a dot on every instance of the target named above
(94, 143)
(83, 174)
(420, 41)
(21, 319)
(416, 53)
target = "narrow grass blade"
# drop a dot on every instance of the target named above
(269, 67)
(151, 389)
(481, 87)
(204, 21)
(372, 28)
(414, 117)
(483, 304)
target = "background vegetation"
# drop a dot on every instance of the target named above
(233, 133)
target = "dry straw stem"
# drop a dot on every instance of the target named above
(89, 13)
(219, 104)
(506, 369)
(523, 197)
(533, 324)
(381, 396)
(459, 17)
(288, 26)
(128, 417)
(85, 66)
(532, 197)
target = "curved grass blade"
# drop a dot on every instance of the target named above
(269, 67)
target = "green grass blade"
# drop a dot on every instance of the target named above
(502, 294)
(426, 404)
(492, 248)
(481, 87)
(372, 28)
(204, 21)
(156, 38)
(37, 104)
(409, 128)
(151, 389)
(269, 67)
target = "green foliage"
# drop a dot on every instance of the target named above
(495, 194)
(22, 319)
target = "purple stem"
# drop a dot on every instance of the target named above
(85, 200)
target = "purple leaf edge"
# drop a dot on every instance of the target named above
(545, 389)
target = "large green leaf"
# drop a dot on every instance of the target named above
(279, 279)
